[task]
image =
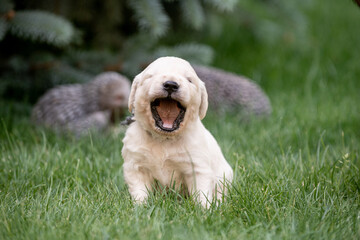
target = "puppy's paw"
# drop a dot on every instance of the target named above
(139, 197)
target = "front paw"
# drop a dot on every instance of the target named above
(139, 196)
(204, 199)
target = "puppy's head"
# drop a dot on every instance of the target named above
(113, 90)
(167, 96)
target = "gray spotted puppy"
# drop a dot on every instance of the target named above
(80, 107)
(231, 91)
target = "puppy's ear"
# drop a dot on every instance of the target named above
(204, 101)
(133, 92)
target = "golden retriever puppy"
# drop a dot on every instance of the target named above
(168, 142)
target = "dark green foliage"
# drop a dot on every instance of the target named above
(357, 2)
(28, 78)
(193, 13)
(6, 6)
(43, 27)
(3, 28)
(138, 57)
(40, 26)
(124, 36)
(150, 16)
(224, 5)
(91, 61)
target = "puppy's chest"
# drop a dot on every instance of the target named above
(167, 166)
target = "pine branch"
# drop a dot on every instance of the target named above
(150, 16)
(223, 5)
(43, 27)
(193, 13)
(193, 52)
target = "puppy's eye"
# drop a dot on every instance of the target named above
(189, 79)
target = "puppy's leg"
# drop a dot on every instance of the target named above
(201, 184)
(139, 182)
(223, 181)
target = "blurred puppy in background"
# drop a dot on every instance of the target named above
(78, 108)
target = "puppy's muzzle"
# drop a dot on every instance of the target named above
(170, 87)
(167, 112)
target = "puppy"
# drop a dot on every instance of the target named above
(168, 142)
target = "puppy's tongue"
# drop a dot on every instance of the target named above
(168, 112)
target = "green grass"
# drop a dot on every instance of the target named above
(296, 174)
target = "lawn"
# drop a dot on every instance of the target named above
(296, 174)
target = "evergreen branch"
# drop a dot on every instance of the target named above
(223, 5)
(193, 52)
(43, 27)
(150, 16)
(193, 13)
(3, 28)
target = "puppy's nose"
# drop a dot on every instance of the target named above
(171, 86)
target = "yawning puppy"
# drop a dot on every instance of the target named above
(167, 142)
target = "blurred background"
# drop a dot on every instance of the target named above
(279, 44)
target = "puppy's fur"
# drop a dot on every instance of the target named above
(172, 151)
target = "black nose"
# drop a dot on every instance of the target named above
(171, 86)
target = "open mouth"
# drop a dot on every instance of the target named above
(167, 113)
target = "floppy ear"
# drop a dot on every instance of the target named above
(133, 91)
(204, 101)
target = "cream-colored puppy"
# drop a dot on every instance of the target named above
(168, 142)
